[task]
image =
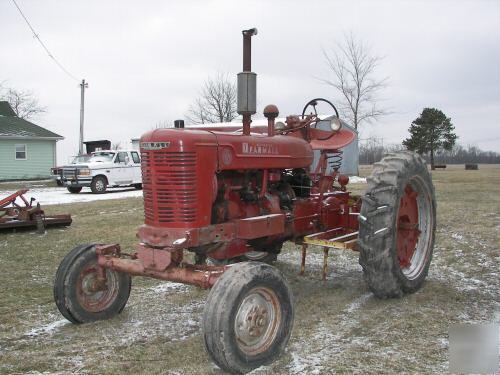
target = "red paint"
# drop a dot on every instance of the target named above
(407, 227)
(221, 193)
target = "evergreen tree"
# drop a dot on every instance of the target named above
(430, 132)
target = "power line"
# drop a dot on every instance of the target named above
(43, 45)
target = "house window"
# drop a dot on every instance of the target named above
(20, 152)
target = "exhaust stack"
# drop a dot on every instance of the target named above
(247, 83)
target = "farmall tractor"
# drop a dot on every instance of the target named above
(231, 192)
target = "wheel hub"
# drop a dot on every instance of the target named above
(407, 227)
(99, 185)
(257, 320)
(95, 293)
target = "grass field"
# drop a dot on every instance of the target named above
(339, 327)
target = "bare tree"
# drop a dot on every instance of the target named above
(353, 69)
(24, 103)
(216, 102)
(163, 124)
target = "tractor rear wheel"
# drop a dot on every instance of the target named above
(248, 317)
(397, 225)
(78, 294)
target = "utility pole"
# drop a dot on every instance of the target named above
(83, 86)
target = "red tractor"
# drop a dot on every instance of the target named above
(227, 193)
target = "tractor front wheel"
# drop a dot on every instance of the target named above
(397, 225)
(248, 317)
(81, 296)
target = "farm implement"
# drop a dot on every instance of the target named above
(25, 214)
(231, 195)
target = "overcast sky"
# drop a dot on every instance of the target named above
(146, 60)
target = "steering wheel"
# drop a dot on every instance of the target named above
(313, 103)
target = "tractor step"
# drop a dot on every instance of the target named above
(334, 238)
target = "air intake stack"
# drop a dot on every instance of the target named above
(247, 83)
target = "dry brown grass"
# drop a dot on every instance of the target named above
(339, 328)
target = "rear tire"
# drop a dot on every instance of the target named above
(397, 225)
(73, 295)
(248, 317)
(99, 185)
(74, 190)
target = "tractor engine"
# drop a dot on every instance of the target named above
(196, 180)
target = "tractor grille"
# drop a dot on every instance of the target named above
(169, 186)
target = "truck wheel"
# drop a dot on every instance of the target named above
(74, 189)
(78, 297)
(397, 225)
(248, 317)
(98, 185)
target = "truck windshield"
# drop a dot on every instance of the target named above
(101, 156)
(80, 159)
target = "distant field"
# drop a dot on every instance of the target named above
(339, 327)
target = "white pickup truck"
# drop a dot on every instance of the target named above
(104, 169)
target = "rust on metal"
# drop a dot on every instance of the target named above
(25, 214)
(332, 240)
(303, 260)
(407, 227)
(325, 263)
(203, 276)
(260, 226)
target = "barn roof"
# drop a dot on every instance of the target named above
(12, 126)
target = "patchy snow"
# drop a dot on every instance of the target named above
(47, 328)
(60, 195)
(169, 286)
(311, 361)
(357, 180)
(25, 182)
(357, 303)
(457, 236)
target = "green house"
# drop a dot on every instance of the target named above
(27, 151)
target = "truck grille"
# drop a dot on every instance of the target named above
(69, 173)
(169, 186)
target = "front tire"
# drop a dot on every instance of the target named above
(99, 185)
(75, 292)
(248, 317)
(397, 225)
(74, 189)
